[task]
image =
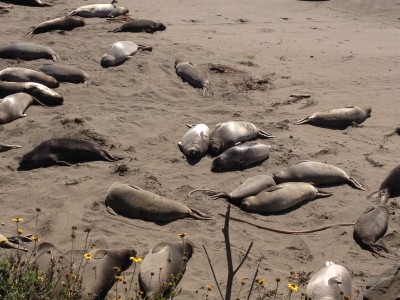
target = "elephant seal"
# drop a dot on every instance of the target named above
(63, 23)
(385, 285)
(133, 202)
(37, 3)
(250, 187)
(240, 157)
(329, 282)
(63, 152)
(65, 73)
(194, 144)
(281, 197)
(316, 172)
(389, 186)
(167, 262)
(28, 75)
(38, 91)
(141, 26)
(193, 75)
(6, 147)
(13, 107)
(340, 117)
(120, 51)
(371, 226)
(14, 242)
(99, 11)
(27, 51)
(227, 134)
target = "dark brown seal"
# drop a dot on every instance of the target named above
(65, 73)
(194, 75)
(148, 26)
(37, 3)
(63, 23)
(389, 186)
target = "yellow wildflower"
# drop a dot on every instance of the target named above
(182, 234)
(118, 278)
(3, 240)
(137, 260)
(17, 220)
(35, 238)
(20, 231)
(209, 287)
(292, 287)
(260, 282)
(346, 297)
(88, 256)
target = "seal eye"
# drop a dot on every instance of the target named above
(193, 152)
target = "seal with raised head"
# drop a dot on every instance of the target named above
(28, 75)
(65, 73)
(389, 186)
(120, 51)
(133, 202)
(194, 144)
(371, 226)
(62, 23)
(241, 157)
(332, 282)
(193, 75)
(316, 172)
(339, 117)
(13, 107)
(141, 25)
(37, 3)
(63, 152)
(228, 134)
(27, 51)
(168, 260)
(281, 197)
(99, 11)
(6, 147)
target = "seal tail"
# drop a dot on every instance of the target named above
(302, 121)
(324, 194)
(54, 56)
(145, 47)
(207, 91)
(5, 147)
(108, 156)
(354, 183)
(212, 193)
(116, 30)
(265, 134)
(31, 34)
(381, 196)
(198, 215)
(44, 4)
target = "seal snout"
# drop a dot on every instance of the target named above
(107, 61)
(218, 164)
(162, 27)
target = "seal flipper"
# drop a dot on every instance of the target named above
(198, 215)
(108, 156)
(265, 134)
(207, 91)
(111, 211)
(62, 163)
(5, 147)
(303, 121)
(381, 195)
(354, 183)
(323, 194)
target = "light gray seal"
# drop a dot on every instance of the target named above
(65, 73)
(194, 75)
(316, 172)
(167, 262)
(99, 11)
(62, 23)
(389, 186)
(6, 147)
(329, 282)
(133, 202)
(13, 107)
(141, 25)
(240, 157)
(194, 144)
(339, 117)
(28, 75)
(281, 197)
(27, 51)
(120, 51)
(371, 226)
(228, 134)
(38, 91)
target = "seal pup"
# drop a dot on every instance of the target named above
(6, 147)
(133, 202)
(316, 172)
(240, 157)
(329, 283)
(99, 11)
(141, 26)
(281, 197)
(65, 73)
(228, 134)
(13, 107)
(167, 262)
(120, 51)
(339, 117)
(194, 144)
(37, 3)
(193, 75)
(14, 242)
(28, 75)
(62, 23)
(389, 186)
(63, 152)
(27, 51)
(371, 226)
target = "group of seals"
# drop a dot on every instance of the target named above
(17, 74)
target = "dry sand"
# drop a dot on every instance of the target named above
(340, 52)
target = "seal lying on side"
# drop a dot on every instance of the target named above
(27, 51)
(13, 107)
(227, 134)
(38, 91)
(281, 197)
(28, 75)
(167, 262)
(329, 282)
(316, 172)
(65, 73)
(240, 157)
(133, 202)
(194, 143)
(63, 152)
(340, 117)
(6, 147)
(371, 226)
(63, 23)
(29, 2)
(389, 186)
(14, 242)
(120, 51)
(384, 286)
(193, 75)
(99, 11)
(141, 26)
